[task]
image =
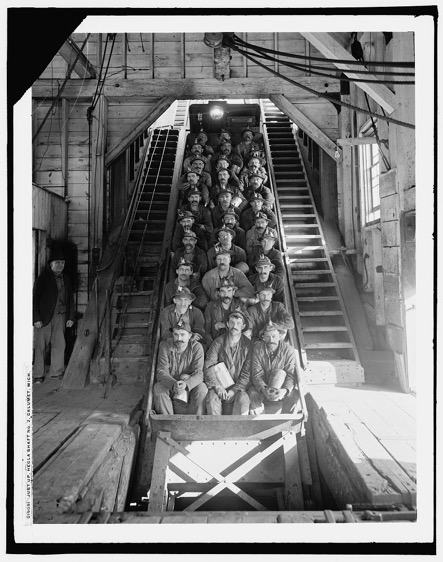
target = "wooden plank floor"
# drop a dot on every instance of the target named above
(372, 432)
(65, 457)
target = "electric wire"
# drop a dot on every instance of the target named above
(307, 67)
(94, 101)
(325, 96)
(102, 62)
(237, 39)
(345, 78)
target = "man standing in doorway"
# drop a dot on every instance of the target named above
(53, 311)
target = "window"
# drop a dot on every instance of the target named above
(369, 180)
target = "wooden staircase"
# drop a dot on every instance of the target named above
(327, 339)
(134, 301)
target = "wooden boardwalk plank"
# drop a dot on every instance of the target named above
(40, 419)
(120, 406)
(404, 454)
(57, 486)
(350, 473)
(393, 419)
(384, 463)
(49, 440)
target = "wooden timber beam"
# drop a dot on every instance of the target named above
(331, 49)
(69, 51)
(305, 123)
(145, 122)
(189, 88)
(354, 141)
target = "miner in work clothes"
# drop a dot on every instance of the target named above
(53, 311)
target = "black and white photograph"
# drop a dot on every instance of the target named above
(221, 276)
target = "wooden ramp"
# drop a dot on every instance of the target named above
(364, 443)
(83, 447)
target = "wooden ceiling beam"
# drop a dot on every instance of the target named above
(331, 49)
(305, 123)
(189, 88)
(135, 130)
(69, 51)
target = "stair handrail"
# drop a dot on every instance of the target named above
(295, 335)
(163, 266)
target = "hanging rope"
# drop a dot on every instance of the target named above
(62, 87)
(377, 138)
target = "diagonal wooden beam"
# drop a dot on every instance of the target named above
(305, 123)
(331, 49)
(223, 482)
(146, 121)
(69, 51)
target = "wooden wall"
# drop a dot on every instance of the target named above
(68, 124)
(391, 257)
(49, 216)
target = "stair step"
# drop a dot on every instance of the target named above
(138, 310)
(136, 293)
(289, 215)
(324, 329)
(329, 345)
(310, 248)
(313, 299)
(306, 260)
(302, 236)
(321, 313)
(131, 325)
(312, 271)
(133, 349)
(285, 188)
(293, 182)
(309, 285)
(289, 226)
(297, 206)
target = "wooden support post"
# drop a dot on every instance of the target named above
(34, 142)
(344, 179)
(99, 127)
(312, 452)
(245, 60)
(305, 123)
(183, 54)
(158, 496)
(152, 55)
(276, 65)
(125, 55)
(293, 487)
(64, 144)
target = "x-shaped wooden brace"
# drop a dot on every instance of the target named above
(224, 481)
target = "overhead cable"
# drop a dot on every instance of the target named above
(325, 96)
(402, 64)
(306, 68)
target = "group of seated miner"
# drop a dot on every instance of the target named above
(224, 323)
